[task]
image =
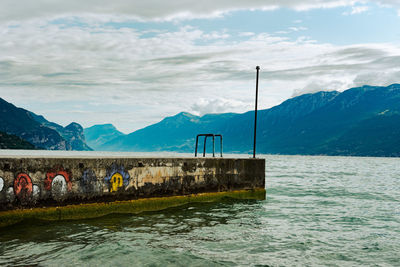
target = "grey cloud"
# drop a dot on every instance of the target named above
(383, 71)
(226, 70)
(154, 9)
(181, 60)
(193, 57)
(6, 64)
(363, 53)
(359, 59)
(317, 70)
(388, 62)
(154, 77)
(57, 74)
(382, 78)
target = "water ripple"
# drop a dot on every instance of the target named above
(320, 211)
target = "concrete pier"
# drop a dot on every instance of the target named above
(54, 188)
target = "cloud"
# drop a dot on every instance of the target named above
(357, 10)
(297, 29)
(246, 34)
(380, 78)
(17, 10)
(321, 85)
(122, 75)
(204, 106)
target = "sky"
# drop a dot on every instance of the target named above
(132, 63)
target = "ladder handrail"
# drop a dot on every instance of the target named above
(205, 143)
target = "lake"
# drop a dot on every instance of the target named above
(337, 211)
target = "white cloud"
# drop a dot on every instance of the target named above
(204, 106)
(357, 10)
(297, 29)
(118, 75)
(323, 85)
(246, 34)
(17, 10)
(214, 35)
(281, 32)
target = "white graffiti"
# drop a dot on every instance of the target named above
(10, 194)
(58, 187)
(1, 184)
(35, 192)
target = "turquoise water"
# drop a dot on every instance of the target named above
(335, 211)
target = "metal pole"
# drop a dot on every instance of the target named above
(255, 115)
(221, 144)
(213, 146)
(197, 142)
(205, 144)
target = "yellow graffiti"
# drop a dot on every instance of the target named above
(116, 182)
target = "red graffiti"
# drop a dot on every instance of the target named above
(52, 174)
(23, 186)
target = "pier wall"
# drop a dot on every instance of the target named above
(52, 182)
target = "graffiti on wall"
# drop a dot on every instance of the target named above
(58, 181)
(89, 182)
(23, 189)
(117, 178)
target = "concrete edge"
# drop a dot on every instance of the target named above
(93, 210)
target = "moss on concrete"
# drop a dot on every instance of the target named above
(92, 210)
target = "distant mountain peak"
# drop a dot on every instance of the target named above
(74, 126)
(185, 114)
(105, 126)
(180, 117)
(108, 125)
(99, 134)
(72, 133)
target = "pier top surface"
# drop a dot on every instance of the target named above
(16, 154)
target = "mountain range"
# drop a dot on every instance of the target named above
(362, 121)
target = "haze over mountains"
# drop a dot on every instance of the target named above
(363, 121)
(98, 135)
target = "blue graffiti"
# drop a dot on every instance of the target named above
(117, 169)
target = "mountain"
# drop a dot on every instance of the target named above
(97, 135)
(9, 141)
(363, 121)
(318, 132)
(379, 136)
(176, 133)
(38, 131)
(19, 122)
(73, 133)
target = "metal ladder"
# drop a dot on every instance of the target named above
(205, 142)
